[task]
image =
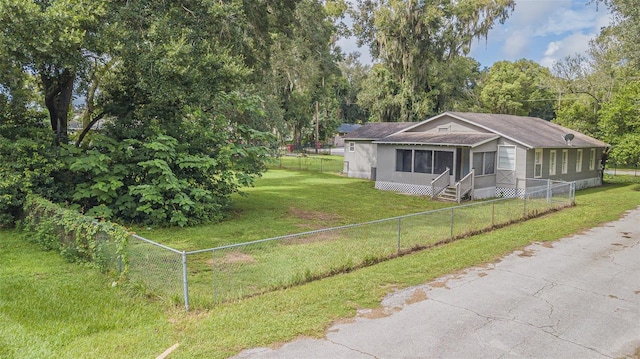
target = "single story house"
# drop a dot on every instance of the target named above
(487, 154)
(342, 131)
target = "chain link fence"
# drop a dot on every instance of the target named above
(308, 163)
(206, 277)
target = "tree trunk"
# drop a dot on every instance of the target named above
(58, 90)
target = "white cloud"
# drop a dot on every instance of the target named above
(576, 43)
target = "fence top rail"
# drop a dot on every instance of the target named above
(155, 243)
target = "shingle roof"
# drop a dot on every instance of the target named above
(532, 132)
(377, 130)
(348, 127)
(451, 138)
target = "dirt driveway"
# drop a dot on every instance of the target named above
(575, 298)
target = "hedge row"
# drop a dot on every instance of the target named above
(77, 237)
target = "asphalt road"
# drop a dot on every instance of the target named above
(578, 297)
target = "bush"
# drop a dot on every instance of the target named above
(77, 237)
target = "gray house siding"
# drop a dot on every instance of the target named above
(448, 123)
(360, 162)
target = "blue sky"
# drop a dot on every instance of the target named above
(540, 30)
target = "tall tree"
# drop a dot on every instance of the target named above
(518, 88)
(419, 42)
(55, 41)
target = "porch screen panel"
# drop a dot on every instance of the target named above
(422, 161)
(403, 160)
(489, 163)
(478, 162)
(442, 160)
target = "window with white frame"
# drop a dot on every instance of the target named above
(579, 161)
(507, 158)
(537, 166)
(552, 163)
(352, 147)
(484, 163)
(592, 160)
(565, 161)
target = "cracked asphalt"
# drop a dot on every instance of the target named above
(578, 297)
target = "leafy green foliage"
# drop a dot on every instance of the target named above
(620, 124)
(28, 163)
(77, 237)
(518, 88)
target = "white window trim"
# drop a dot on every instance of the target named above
(352, 146)
(553, 162)
(536, 162)
(565, 161)
(592, 160)
(579, 161)
(498, 158)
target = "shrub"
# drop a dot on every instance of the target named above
(77, 237)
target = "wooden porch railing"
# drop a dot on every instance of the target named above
(464, 186)
(440, 183)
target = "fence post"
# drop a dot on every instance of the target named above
(321, 165)
(572, 192)
(399, 233)
(493, 214)
(549, 195)
(451, 223)
(185, 283)
(524, 209)
(213, 272)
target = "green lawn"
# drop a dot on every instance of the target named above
(49, 308)
(285, 202)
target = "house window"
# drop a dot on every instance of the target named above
(423, 161)
(403, 160)
(352, 147)
(565, 161)
(579, 161)
(507, 158)
(443, 129)
(552, 163)
(592, 160)
(484, 163)
(537, 166)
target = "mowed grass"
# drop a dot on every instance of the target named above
(286, 202)
(49, 308)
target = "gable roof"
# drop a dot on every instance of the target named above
(377, 130)
(348, 127)
(446, 139)
(531, 132)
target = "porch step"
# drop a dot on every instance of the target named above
(449, 195)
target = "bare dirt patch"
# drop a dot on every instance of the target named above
(527, 253)
(546, 244)
(380, 312)
(439, 285)
(316, 216)
(417, 296)
(482, 274)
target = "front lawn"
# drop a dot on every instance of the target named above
(286, 202)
